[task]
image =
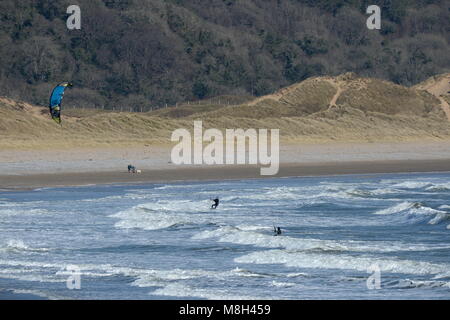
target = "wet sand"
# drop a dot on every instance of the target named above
(215, 173)
(39, 168)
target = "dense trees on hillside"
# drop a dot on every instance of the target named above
(142, 53)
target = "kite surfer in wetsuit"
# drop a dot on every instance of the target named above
(277, 231)
(215, 204)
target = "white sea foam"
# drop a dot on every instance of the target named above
(282, 284)
(176, 186)
(296, 274)
(251, 237)
(438, 187)
(39, 293)
(182, 290)
(152, 278)
(433, 186)
(307, 194)
(395, 209)
(344, 262)
(412, 284)
(32, 277)
(415, 212)
(19, 245)
(440, 217)
(383, 191)
(104, 199)
(246, 227)
(22, 211)
(162, 214)
(413, 184)
(58, 272)
(55, 272)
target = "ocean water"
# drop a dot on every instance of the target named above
(162, 241)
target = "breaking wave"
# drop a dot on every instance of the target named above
(251, 236)
(19, 245)
(344, 262)
(414, 212)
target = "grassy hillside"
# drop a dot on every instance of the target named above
(148, 53)
(343, 108)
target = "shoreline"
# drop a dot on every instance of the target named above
(218, 173)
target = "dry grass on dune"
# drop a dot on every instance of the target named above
(321, 109)
(20, 129)
(298, 100)
(343, 108)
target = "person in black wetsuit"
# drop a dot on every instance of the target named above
(277, 231)
(215, 204)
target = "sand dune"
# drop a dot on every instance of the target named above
(346, 108)
(328, 125)
(438, 86)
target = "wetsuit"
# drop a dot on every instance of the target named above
(215, 204)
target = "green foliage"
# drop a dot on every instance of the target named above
(312, 45)
(303, 71)
(200, 90)
(152, 53)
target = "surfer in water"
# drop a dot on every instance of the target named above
(215, 204)
(277, 231)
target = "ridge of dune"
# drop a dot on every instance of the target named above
(439, 86)
(30, 109)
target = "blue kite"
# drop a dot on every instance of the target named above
(56, 99)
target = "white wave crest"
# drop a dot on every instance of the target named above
(413, 184)
(395, 209)
(344, 262)
(58, 272)
(162, 214)
(282, 284)
(19, 245)
(411, 284)
(415, 212)
(250, 236)
(182, 290)
(22, 211)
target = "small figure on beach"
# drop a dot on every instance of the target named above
(215, 204)
(131, 169)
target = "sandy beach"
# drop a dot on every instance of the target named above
(22, 182)
(34, 169)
